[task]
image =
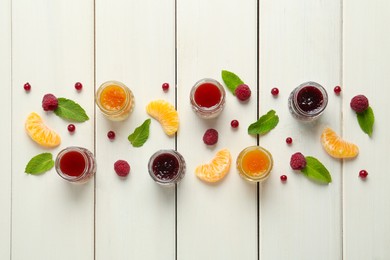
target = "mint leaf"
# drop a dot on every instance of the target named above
(140, 134)
(315, 170)
(40, 163)
(265, 124)
(232, 81)
(366, 120)
(70, 110)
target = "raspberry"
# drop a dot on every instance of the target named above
(122, 168)
(210, 137)
(49, 102)
(359, 103)
(298, 161)
(243, 92)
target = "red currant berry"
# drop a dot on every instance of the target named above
(111, 135)
(275, 91)
(363, 174)
(283, 178)
(289, 140)
(165, 86)
(234, 123)
(78, 86)
(27, 87)
(71, 128)
(337, 90)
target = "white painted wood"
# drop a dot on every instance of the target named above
(366, 71)
(5, 130)
(52, 49)
(216, 221)
(135, 217)
(299, 41)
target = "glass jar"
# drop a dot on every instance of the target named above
(207, 98)
(115, 100)
(166, 167)
(75, 164)
(308, 101)
(254, 163)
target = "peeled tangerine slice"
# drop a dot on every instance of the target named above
(40, 133)
(337, 147)
(166, 114)
(217, 169)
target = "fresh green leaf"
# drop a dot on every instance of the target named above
(232, 81)
(366, 120)
(315, 170)
(140, 134)
(265, 124)
(40, 163)
(70, 110)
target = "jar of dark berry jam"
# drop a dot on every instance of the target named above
(75, 164)
(166, 167)
(308, 101)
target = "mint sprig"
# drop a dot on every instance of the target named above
(40, 164)
(316, 171)
(140, 134)
(70, 110)
(265, 124)
(231, 80)
(366, 120)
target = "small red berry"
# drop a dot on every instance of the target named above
(210, 137)
(298, 161)
(337, 90)
(363, 174)
(275, 91)
(243, 92)
(122, 168)
(234, 123)
(78, 86)
(165, 86)
(111, 135)
(359, 103)
(49, 102)
(27, 87)
(289, 140)
(283, 178)
(71, 128)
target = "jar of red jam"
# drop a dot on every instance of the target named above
(308, 101)
(166, 167)
(207, 98)
(75, 164)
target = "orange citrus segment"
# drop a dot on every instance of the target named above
(166, 114)
(40, 133)
(337, 147)
(216, 169)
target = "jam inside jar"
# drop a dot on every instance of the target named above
(166, 167)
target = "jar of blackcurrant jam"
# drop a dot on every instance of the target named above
(75, 164)
(207, 98)
(308, 101)
(166, 167)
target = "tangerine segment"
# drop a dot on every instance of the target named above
(337, 147)
(113, 97)
(40, 133)
(217, 169)
(166, 114)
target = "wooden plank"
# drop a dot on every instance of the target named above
(299, 41)
(52, 49)
(216, 221)
(366, 63)
(134, 45)
(5, 131)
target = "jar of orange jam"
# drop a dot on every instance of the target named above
(254, 163)
(115, 100)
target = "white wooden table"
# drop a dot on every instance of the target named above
(144, 43)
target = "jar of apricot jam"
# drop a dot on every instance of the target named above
(166, 167)
(308, 101)
(115, 100)
(75, 164)
(207, 98)
(254, 163)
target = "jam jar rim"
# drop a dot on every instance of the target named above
(314, 112)
(212, 109)
(68, 177)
